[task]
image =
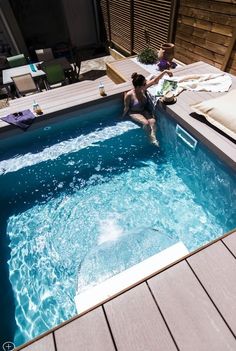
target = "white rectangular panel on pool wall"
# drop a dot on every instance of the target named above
(130, 276)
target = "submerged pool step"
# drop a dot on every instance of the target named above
(123, 280)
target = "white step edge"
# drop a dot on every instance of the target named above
(130, 276)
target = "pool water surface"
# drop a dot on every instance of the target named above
(88, 200)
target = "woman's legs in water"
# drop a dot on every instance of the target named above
(148, 123)
(151, 121)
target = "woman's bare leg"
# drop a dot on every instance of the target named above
(137, 117)
(153, 126)
(149, 125)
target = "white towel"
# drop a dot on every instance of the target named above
(203, 82)
(195, 82)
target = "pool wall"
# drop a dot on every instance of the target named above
(209, 177)
(223, 147)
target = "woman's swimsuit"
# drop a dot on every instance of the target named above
(138, 106)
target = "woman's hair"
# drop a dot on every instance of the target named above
(138, 79)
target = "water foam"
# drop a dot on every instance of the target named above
(65, 147)
(109, 229)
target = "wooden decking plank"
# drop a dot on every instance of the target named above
(218, 279)
(127, 67)
(230, 242)
(77, 89)
(136, 322)
(88, 333)
(43, 344)
(198, 66)
(61, 92)
(191, 316)
(53, 101)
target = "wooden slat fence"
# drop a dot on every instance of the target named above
(201, 29)
(125, 21)
(206, 31)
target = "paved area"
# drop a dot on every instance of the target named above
(94, 68)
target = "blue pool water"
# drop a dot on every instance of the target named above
(86, 200)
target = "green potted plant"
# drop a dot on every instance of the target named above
(148, 55)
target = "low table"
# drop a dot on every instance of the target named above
(7, 74)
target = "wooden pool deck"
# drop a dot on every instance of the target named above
(62, 100)
(190, 305)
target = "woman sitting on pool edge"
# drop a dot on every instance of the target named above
(137, 106)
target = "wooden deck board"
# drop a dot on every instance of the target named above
(192, 318)
(218, 280)
(144, 326)
(127, 67)
(230, 242)
(42, 344)
(87, 333)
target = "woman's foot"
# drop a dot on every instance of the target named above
(153, 140)
(156, 143)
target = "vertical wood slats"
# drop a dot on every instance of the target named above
(204, 29)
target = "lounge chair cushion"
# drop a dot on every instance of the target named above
(220, 112)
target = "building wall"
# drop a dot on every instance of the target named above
(41, 22)
(38, 24)
(206, 31)
(11, 33)
(81, 22)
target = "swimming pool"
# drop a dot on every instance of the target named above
(85, 200)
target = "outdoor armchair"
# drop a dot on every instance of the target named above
(44, 54)
(54, 74)
(24, 84)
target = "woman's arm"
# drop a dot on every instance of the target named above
(157, 78)
(126, 104)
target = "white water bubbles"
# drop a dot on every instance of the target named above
(109, 228)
